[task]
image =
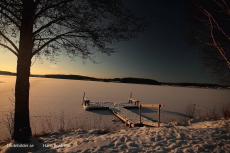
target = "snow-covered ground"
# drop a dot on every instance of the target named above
(199, 136)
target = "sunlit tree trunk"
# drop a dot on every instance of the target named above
(22, 130)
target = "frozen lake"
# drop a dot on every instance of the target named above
(52, 98)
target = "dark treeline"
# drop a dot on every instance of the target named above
(72, 77)
(195, 85)
(7, 73)
(14, 74)
(136, 80)
(121, 80)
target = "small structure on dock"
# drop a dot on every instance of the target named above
(119, 110)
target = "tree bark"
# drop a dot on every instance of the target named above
(22, 129)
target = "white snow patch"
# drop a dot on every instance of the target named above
(199, 136)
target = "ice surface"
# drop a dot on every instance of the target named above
(54, 97)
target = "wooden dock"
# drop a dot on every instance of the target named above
(119, 109)
(131, 119)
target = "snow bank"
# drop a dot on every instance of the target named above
(199, 136)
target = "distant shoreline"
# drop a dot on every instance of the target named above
(130, 80)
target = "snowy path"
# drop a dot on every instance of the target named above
(200, 136)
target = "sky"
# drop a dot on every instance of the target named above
(160, 53)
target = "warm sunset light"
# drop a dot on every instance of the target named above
(108, 76)
(160, 53)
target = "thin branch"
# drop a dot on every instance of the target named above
(217, 25)
(10, 49)
(12, 20)
(52, 6)
(221, 51)
(47, 25)
(210, 25)
(205, 12)
(204, 42)
(48, 42)
(80, 36)
(204, 33)
(223, 6)
(8, 40)
(11, 12)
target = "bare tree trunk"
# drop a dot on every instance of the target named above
(22, 130)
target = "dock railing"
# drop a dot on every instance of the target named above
(151, 105)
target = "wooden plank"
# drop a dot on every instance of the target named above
(152, 105)
(124, 115)
(159, 116)
(130, 120)
(140, 113)
(118, 115)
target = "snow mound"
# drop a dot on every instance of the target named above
(199, 136)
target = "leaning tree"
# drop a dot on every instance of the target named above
(209, 31)
(48, 28)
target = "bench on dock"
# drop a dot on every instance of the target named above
(85, 101)
(133, 101)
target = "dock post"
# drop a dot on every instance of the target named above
(140, 112)
(130, 101)
(83, 102)
(159, 110)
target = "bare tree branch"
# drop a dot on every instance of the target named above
(211, 27)
(10, 18)
(47, 25)
(8, 40)
(220, 49)
(10, 49)
(209, 32)
(11, 11)
(43, 10)
(48, 42)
